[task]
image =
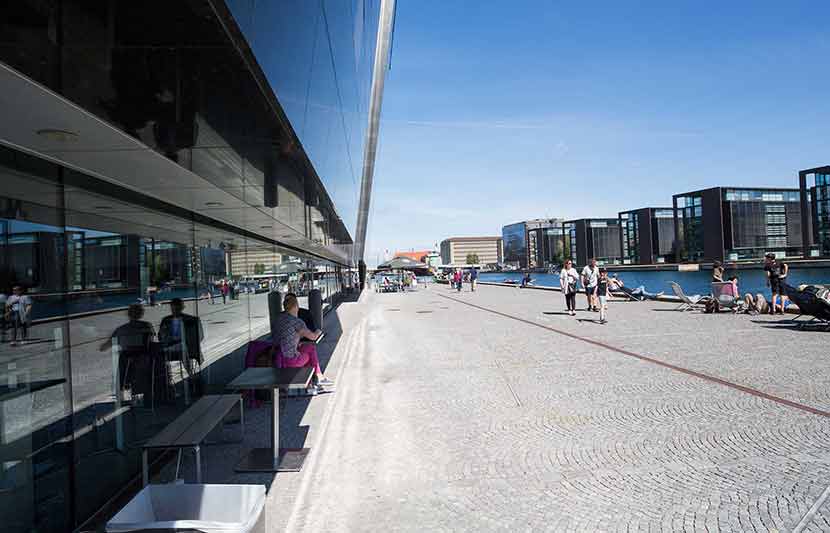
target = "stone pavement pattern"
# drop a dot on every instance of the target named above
(450, 417)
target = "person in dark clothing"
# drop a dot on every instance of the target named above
(132, 341)
(181, 337)
(776, 271)
(473, 279)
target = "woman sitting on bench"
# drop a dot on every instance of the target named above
(289, 330)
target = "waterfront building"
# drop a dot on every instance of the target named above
(647, 235)
(143, 144)
(814, 199)
(588, 238)
(456, 250)
(737, 223)
(533, 243)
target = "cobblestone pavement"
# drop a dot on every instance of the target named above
(453, 417)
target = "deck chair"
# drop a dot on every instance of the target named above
(628, 293)
(688, 303)
(724, 293)
(809, 304)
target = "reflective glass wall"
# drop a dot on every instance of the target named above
(514, 237)
(91, 364)
(689, 216)
(170, 75)
(821, 213)
(318, 56)
(760, 221)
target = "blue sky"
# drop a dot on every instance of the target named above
(515, 110)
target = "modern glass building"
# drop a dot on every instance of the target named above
(734, 224)
(647, 235)
(514, 239)
(814, 195)
(142, 146)
(598, 238)
(532, 243)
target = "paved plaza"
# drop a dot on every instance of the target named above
(454, 417)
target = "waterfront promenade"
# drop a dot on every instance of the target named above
(494, 411)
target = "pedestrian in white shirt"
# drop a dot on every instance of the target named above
(568, 279)
(590, 278)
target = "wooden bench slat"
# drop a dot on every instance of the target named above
(201, 428)
(171, 435)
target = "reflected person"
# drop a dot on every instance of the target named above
(18, 312)
(181, 337)
(133, 342)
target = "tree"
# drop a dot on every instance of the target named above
(259, 268)
(472, 259)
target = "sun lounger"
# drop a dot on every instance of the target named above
(688, 303)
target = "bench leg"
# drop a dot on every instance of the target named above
(241, 419)
(198, 464)
(275, 426)
(145, 474)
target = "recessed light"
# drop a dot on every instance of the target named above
(103, 207)
(213, 204)
(58, 135)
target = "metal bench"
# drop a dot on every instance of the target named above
(192, 427)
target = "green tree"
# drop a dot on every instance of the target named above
(259, 268)
(472, 259)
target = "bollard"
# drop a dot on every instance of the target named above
(274, 308)
(315, 307)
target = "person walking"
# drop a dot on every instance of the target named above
(602, 295)
(568, 278)
(19, 312)
(457, 279)
(590, 277)
(473, 279)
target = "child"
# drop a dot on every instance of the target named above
(602, 294)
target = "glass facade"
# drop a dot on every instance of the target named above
(220, 145)
(170, 76)
(318, 57)
(604, 238)
(514, 237)
(690, 225)
(760, 221)
(647, 235)
(752, 223)
(630, 228)
(821, 213)
(662, 226)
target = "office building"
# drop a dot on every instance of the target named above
(736, 223)
(647, 236)
(141, 145)
(532, 243)
(814, 199)
(597, 238)
(458, 251)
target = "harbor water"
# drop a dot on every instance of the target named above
(753, 281)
